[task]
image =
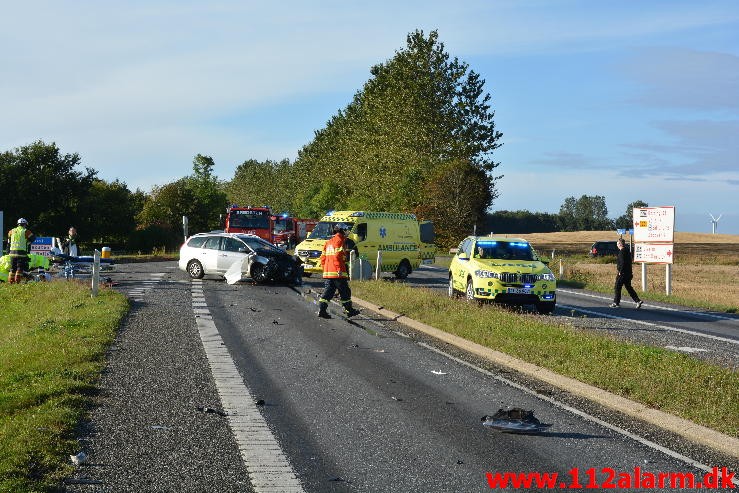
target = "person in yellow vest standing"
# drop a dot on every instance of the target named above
(335, 274)
(20, 239)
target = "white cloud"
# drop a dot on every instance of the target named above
(686, 78)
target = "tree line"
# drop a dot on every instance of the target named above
(419, 137)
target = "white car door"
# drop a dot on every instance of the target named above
(232, 250)
(208, 254)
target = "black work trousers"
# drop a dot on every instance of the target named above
(624, 282)
(330, 286)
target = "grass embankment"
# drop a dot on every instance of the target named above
(53, 338)
(672, 382)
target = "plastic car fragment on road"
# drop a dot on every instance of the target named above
(514, 420)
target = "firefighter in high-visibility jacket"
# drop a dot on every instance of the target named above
(20, 239)
(335, 274)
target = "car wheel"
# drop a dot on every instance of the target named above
(451, 291)
(403, 269)
(195, 269)
(259, 273)
(470, 291)
(545, 307)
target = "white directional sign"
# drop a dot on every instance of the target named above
(654, 224)
(654, 253)
(42, 245)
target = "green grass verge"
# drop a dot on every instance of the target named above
(672, 382)
(52, 349)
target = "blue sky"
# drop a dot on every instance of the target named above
(629, 100)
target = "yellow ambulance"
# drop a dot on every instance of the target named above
(403, 241)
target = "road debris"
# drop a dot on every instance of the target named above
(78, 459)
(437, 372)
(212, 410)
(514, 420)
(235, 272)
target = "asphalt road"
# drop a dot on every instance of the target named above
(361, 405)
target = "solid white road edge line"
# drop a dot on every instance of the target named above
(653, 307)
(572, 410)
(268, 467)
(650, 324)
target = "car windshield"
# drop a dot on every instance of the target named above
(325, 229)
(259, 245)
(504, 250)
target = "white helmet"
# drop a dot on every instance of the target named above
(22, 222)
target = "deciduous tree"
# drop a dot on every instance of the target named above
(626, 221)
(588, 213)
(420, 111)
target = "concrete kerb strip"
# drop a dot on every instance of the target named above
(692, 431)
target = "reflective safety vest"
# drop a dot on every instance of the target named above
(333, 259)
(5, 264)
(18, 242)
(36, 261)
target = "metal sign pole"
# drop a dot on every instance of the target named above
(95, 273)
(668, 279)
(644, 276)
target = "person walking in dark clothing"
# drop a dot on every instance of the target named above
(624, 275)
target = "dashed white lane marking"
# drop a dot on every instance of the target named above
(573, 410)
(650, 324)
(269, 469)
(138, 293)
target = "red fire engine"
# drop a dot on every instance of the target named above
(289, 231)
(282, 230)
(252, 220)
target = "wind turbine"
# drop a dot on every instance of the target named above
(714, 221)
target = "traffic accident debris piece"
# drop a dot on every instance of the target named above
(78, 459)
(515, 420)
(212, 410)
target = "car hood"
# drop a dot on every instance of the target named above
(520, 266)
(272, 254)
(308, 244)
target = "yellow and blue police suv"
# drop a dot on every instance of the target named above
(503, 270)
(403, 241)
